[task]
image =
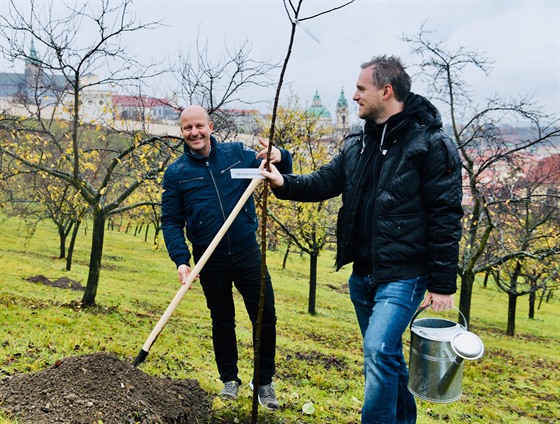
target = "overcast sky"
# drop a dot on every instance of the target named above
(521, 37)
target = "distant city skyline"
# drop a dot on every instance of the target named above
(521, 37)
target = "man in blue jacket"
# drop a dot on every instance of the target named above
(199, 194)
(400, 223)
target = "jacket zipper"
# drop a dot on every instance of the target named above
(223, 171)
(362, 170)
(360, 176)
(220, 202)
(192, 179)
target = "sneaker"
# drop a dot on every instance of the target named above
(230, 390)
(267, 397)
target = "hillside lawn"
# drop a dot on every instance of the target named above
(319, 358)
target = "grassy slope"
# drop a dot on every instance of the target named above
(319, 357)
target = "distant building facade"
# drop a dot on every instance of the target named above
(139, 108)
(242, 121)
(34, 84)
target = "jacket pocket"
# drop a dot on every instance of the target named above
(223, 171)
(401, 236)
(190, 180)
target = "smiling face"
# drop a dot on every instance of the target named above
(369, 97)
(196, 128)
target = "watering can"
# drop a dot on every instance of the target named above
(438, 348)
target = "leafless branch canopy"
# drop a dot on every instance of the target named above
(59, 36)
(444, 69)
(218, 83)
(295, 11)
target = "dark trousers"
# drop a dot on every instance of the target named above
(216, 278)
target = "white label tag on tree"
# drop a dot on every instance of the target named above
(246, 173)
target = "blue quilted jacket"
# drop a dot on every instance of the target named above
(199, 194)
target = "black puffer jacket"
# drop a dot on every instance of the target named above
(416, 221)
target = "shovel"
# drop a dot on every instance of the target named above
(196, 270)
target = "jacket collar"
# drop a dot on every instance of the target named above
(196, 156)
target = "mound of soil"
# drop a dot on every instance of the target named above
(61, 283)
(101, 388)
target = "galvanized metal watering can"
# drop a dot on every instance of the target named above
(438, 348)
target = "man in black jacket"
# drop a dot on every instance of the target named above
(199, 194)
(400, 223)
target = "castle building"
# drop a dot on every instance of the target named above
(97, 103)
(33, 83)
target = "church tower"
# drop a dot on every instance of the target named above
(317, 110)
(342, 113)
(33, 69)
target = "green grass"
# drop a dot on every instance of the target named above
(319, 357)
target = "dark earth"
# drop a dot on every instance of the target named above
(100, 388)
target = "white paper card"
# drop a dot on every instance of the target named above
(247, 173)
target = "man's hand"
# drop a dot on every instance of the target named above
(183, 272)
(439, 302)
(275, 153)
(274, 177)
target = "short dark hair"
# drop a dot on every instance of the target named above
(390, 70)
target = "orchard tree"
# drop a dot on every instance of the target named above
(143, 208)
(485, 143)
(38, 197)
(295, 16)
(525, 245)
(310, 226)
(104, 165)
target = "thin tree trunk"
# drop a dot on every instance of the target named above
(512, 306)
(486, 276)
(146, 233)
(95, 258)
(467, 281)
(532, 301)
(72, 244)
(541, 299)
(312, 282)
(286, 253)
(156, 236)
(62, 241)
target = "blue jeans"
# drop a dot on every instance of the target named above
(384, 311)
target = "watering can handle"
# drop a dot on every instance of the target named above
(429, 306)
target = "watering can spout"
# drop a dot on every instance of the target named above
(466, 345)
(449, 376)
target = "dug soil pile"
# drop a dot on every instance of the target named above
(101, 388)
